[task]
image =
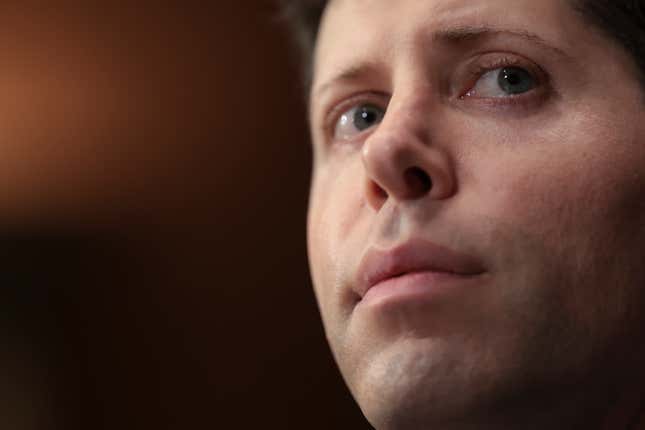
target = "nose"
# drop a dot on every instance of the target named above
(401, 161)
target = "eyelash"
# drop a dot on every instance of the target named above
(523, 100)
(481, 67)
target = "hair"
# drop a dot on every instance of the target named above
(621, 20)
(303, 18)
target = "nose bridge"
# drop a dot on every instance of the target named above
(402, 130)
(408, 112)
(401, 160)
(410, 105)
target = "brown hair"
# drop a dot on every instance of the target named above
(303, 18)
(621, 20)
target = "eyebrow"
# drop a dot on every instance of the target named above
(470, 33)
(451, 36)
(347, 75)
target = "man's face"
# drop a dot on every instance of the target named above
(510, 135)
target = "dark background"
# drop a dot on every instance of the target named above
(153, 190)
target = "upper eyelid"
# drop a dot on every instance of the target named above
(510, 60)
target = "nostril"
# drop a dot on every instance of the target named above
(417, 181)
(378, 191)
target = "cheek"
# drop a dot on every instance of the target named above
(579, 170)
(337, 201)
(579, 205)
(336, 204)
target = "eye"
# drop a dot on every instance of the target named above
(503, 82)
(358, 119)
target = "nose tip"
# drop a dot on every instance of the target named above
(403, 169)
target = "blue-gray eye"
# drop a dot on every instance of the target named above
(358, 119)
(366, 116)
(514, 80)
(503, 82)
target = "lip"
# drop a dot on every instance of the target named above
(383, 267)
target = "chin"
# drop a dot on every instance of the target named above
(419, 384)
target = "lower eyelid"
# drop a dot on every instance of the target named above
(515, 104)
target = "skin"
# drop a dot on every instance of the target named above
(544, 188)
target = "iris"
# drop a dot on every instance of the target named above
(514, 80)
(367, 116)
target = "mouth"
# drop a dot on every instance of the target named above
(417, 267)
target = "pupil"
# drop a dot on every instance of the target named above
(366, 116)
(514, 80)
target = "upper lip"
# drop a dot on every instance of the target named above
(413, 256)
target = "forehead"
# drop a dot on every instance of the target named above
(375, 31)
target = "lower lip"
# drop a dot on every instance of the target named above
(414, 287)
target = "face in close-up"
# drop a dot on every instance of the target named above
(496, 148)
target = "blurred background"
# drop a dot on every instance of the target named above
(153, 191)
